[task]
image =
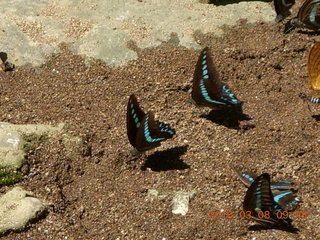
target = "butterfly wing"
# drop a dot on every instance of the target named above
(151, 133)
(259, 198)
(281, 185)
(245, 177)
(135, 116)
(282, 8)
(314, 67)
(207, 89)
(284, 194)
(309, 14)
(287, 200)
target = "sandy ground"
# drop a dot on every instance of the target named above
(97, 195)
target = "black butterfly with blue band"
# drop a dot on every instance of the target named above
(207, 89)
(144, 132)
(282, 190)
(260, 205)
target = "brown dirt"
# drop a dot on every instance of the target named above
(97, 195)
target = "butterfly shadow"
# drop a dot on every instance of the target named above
(258, 227)
(227, 2)
(316, 117)
(166, 160)
(228, 118)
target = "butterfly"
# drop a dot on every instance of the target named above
(144, 132)
(282, 190)
(259, 204)
(308, 17)
(282, 8)
(313, 72)
(207, 88)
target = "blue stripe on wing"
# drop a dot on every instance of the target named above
(205, 94)
(147, 132)
(247, 176)
(281, 195)
(230, 95)
(205, 72)
(165, 128)
(135, 116)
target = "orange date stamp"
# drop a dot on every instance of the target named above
(229, 214)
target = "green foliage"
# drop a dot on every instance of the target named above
(9, 177)
(30, 143)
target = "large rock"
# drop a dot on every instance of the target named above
(11, 142)
(31, 30)
(17, 208)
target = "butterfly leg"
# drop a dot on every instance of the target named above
(198, 113)
(134, 155)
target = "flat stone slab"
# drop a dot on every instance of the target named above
(17, 208)
(31, 30)
(11, 152)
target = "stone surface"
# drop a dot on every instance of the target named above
(17, 208)
(100, 29)
(157, 194)
(11, 153)
(180, 202)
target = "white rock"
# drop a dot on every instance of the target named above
(180, 202)
(17, 208)
(11, 152)
(161, 195)
(105, 27)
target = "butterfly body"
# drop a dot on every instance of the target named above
(259, 199)
(309, 98)
(282, 8)
(282, 190)
(308, 17)
(144, 132)
(207, 89)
